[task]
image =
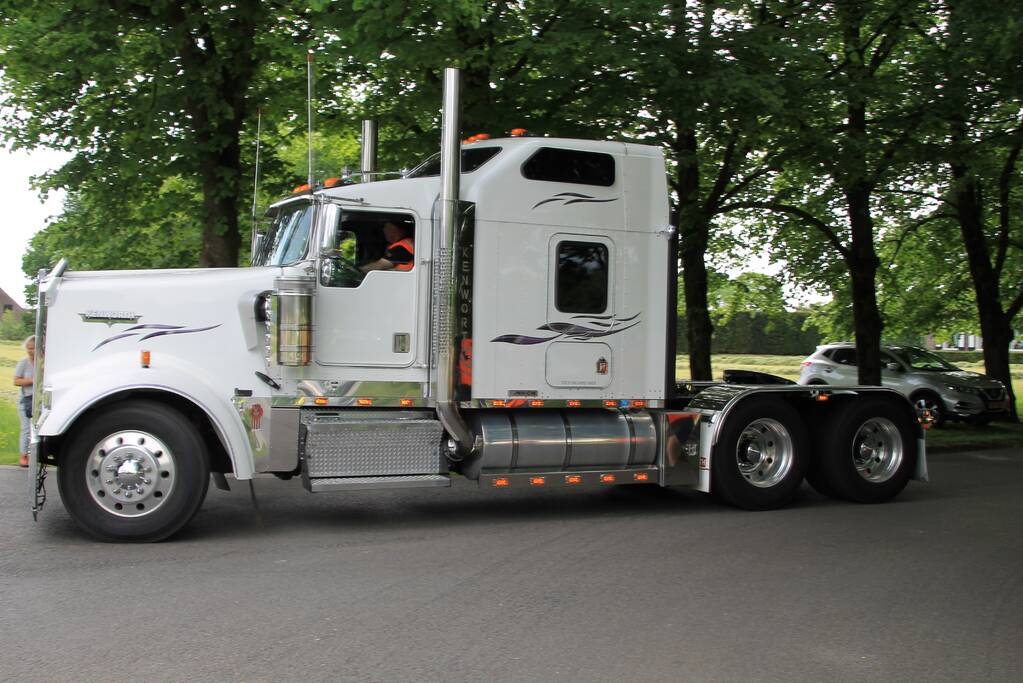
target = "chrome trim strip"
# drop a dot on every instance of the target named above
(504, 403)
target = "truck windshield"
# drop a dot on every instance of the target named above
(285, 242)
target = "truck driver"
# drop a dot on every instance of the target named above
(400, 253)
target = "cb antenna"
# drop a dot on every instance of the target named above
(309, 110)
(255, 182)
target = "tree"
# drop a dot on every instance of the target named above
(143, 92)
(862, 103)
(978, 48)
(708, 82)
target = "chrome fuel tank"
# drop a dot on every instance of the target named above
(560, 440)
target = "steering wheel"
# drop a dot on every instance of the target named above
(337, 271)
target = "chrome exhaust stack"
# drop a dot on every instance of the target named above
(445, 251)
(368, 164)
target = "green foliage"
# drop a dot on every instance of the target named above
(16, 328)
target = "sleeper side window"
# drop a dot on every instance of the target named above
(570, 166)
(582, 277)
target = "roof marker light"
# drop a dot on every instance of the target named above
(332, 182)
(518, 132)
(300, 188)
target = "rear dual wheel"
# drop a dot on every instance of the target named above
(868, 451)
(761, 455)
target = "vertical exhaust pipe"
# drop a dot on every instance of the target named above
(369, 150)
(445, 252)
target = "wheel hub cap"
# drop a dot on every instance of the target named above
(877, 449)
(764, 452)
(130, 473)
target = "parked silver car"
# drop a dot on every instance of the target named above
(929, 381)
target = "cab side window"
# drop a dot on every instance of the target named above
(366, 241)
(582, 277)
(570, 166)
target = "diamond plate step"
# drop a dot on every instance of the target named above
(408, 481)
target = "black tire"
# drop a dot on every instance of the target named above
(930, 401)
(761, 455)
(869, 451)
(137, 472)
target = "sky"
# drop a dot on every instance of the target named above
(26, 214)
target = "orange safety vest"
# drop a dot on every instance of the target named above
(407, 243)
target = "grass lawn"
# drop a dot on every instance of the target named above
(953, 436)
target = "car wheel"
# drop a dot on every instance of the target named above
(869, 451)
(761, 455)
(928, 402)
(137, 472)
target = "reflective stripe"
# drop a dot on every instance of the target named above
(408, 244)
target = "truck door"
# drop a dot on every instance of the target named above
(581, 310)
(365, 308)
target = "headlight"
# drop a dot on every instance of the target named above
(963, 390)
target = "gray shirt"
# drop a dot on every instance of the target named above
(25, 368)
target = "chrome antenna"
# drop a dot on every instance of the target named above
(309, 110)
(255, 181)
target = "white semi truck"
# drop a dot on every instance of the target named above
(526, 343)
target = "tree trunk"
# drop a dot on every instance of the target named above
(863, 262)
(694, 234)
(995, 324)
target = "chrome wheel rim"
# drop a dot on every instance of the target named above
(877, 449)
(130, 473)
(764, 452)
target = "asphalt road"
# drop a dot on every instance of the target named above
(627, 584)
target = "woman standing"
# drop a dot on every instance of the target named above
(24, 378)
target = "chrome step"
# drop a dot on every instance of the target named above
(406, 481)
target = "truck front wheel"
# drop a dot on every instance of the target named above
(137, 472)
(761, 455)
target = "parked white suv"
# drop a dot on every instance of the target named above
(929, 381)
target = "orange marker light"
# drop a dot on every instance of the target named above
(321, 400)
(499, 403)
(518, 132)
(331, 182)
(641, 476)
(406, 402)
(538, 481)
(536, 404)
(822, 397)
(501, 481)
(639, 404)
(144, 359)
(573, 403)
(573, 478)
(607, 478)
(300, 188)
(610, 404)
(364, 401)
